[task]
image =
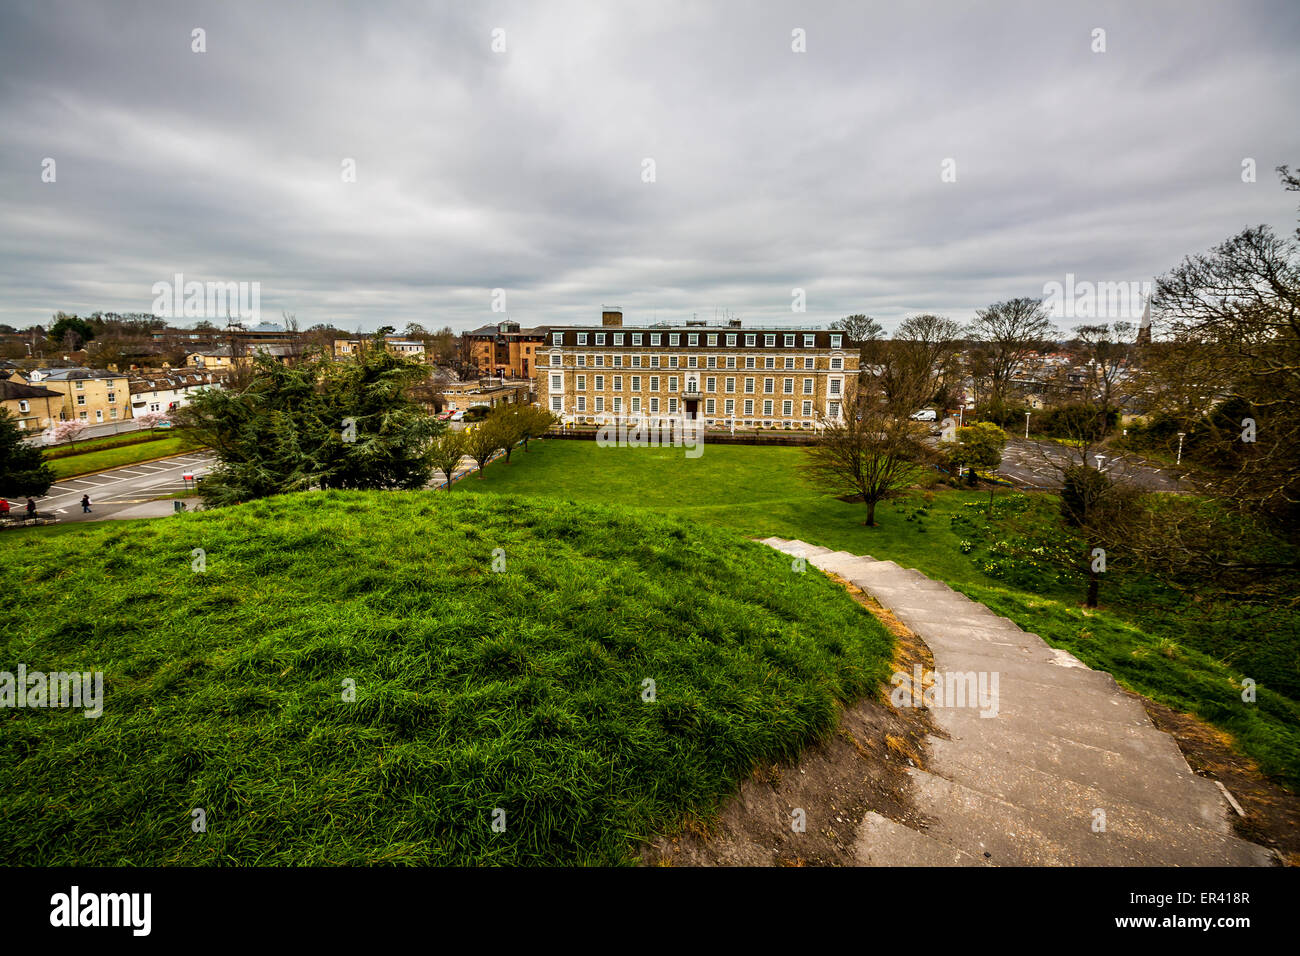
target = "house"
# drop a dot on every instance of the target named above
(411, 348)
(168, 392)
(485, 393)
(220, 358)
(33, 408)
(724, 374)
(91, 395)
(504, 349)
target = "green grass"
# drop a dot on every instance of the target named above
(1191, 656)
(119, 454)
(475, 690)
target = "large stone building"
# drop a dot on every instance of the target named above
(90, 395)
(727, 375)
(504, 350)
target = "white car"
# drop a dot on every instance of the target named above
(458, 416)
(925, 415)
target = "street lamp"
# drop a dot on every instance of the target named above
(1026, 424)
(1180, 448)
(1100, 459)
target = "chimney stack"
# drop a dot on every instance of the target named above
(612, 317)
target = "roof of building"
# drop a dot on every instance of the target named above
(10, 389)
(155, 383)
(71, 374)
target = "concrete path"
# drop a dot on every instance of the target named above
(1055, 766)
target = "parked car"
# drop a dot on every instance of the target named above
(164, 425)
(458, 416)
(925, 415)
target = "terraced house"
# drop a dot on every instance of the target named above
(89, 394)
(724, 374)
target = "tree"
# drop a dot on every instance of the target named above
(23, 471)
(537, 422)
(979, 445)
(869, 453)
(1108, 352)
(1101, 510)
(482, 441)
(69, 431)
(70, 331)
(151, 420)
(859, 328)
(1006, 333)
(445, 453)
(511, 425)
(918, 360)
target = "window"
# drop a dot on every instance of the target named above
(789, 361)
(81, 415)
(582, 338)
(769, 362)
(837, 341)
(731, 384)
(654, 405)
(582, 403)
(556, 401)
(636, 404)
(713, 361)
(750, 338)
(749, 388)
(731, 339)
(787, 408)
(788, 340)
(582, 361)
(787, 386)
(709, 407)
(767, 407)
(557, 338)
(112, 397)
(808, 362)
(81, 400)
(749, 406)
(674, 338)
(713, 338)
(600, 384)
(636, 361)
(636, 383)
(618, 404)
(618, 338)
(23, 405)
(599, 361)
(557, 382)
(710, 384)
(112, 413)
(618, 384)
(769, 386)
(600, 404)
(807, 409)
(672, 406)
(79, 384)
(692, 362)
(672, 361)
(99, 414)
(654, 383)
(693, 339)
(618, 361)
(809, 341)
(672, 383)
(731, 361)
(654, 361)
(654, 338)
(835, 386)
(770, 339)
(749, 361)
(730, 407)
(807, 386)
(636, 338)
(835, 409)
(837, 364)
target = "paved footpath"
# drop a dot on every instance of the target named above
(1069, 771)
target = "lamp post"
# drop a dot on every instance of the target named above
(1100, 459)
(1026, 424)
(1180, 448)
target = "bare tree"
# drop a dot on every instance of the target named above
(918, 360)
(1108, 353)
(869, 453)
(1006, 333)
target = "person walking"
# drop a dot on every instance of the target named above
(85, 504)
(31, 508)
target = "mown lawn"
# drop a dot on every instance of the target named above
(1190, 655)
(521, 689)
(116, 455)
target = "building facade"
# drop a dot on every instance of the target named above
(168, 392)
(504, 350)
(728, 375)
(33, 408)
(397, 345)
(89, 395)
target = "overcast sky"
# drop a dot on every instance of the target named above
(523, 170)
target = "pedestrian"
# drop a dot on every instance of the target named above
(85, 504)
(31, 508)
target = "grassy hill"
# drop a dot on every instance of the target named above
(475, 689)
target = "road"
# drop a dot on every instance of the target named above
(1037, 464)
(112, 492)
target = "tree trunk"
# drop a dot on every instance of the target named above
(1094, 585)
(871, 514)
